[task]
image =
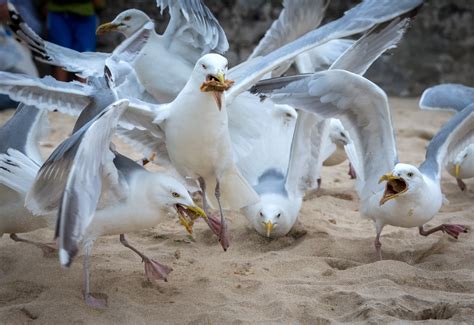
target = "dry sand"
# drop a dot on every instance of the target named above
(324, 271)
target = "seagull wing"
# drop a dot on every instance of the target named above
(360, 18)
(296, 18)
(453, 137)
(46, 93)
(193, 30)
(452, 97)
(85, 64)
(361, 106)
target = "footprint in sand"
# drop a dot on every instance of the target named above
(19, 292)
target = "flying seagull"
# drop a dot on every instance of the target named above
(453, 97)
(411, 196)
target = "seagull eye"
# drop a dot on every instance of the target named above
(175, 194)
(261, 214)
(204, 66)
(127, 18)
(410, 174)
(279, 215)
(342, 134)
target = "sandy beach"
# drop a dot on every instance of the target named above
(324, 271)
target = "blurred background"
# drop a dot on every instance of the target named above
(438, 48)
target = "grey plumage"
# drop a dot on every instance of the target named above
(447, 97)
(455, 135)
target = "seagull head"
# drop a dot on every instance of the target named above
(460, 158)
(403, 179)
(270, 217)
(210, 70)
(337, 133)
(169, 192)
(127, 23)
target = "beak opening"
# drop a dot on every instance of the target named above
(396, 186)
(188, 214)
(106, 28)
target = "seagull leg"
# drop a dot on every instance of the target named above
(88, 298)
(153, 269)
(352, 172)
(223, 238)
(451, 229)
(46, 248)
(377, 243)
(461, 184)
(213, 222)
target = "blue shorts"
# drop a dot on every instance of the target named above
(73, 31)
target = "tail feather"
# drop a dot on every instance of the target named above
(236, 192)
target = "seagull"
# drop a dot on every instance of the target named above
(191, 32)
(411, 196)
(97, 192)
(453, 97)
(20, 136)
(197, 128)
(283, 172)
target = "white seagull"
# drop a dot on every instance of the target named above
(97, 192)
(191, 32)
(411, 196)
(280, 174)
(453, 97)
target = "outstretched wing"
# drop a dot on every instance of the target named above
(46, 93)
(358, 19)
(453, 137)
(361, 106)
(452, 97)
(85, 64)
(296, 18)
(73, 176)
(193, 30)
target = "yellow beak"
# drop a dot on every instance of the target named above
(269, 227)
(220, 76)
(106, 28)
(457, 170)
(192, 213)
(387, 177)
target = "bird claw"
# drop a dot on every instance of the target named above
(156, 271)
(219, 229)
(461, 184)
(95, 302)
(454, 230)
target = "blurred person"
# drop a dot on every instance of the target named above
(72, 24)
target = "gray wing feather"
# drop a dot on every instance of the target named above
(90, 164)
(46, 93)
(360, 18)
(453, 137)
(362, 107)
(85, 64)
(194, 18)
(452, 97)
(363, 53)
(296, 18)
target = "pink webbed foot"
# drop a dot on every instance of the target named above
(94, 302)
(156, 271)
(451, 229)
(461, 184)
(454, 230)
(219, 229)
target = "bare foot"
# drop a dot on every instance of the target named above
(155, 270)
(95, 302)
(219, 230)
